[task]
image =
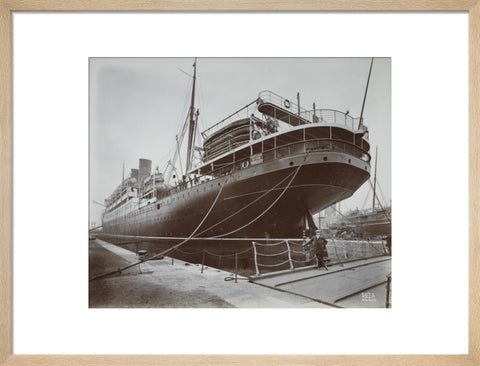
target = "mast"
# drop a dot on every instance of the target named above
(154, 187)
(375, 177)
(298, 102)
(191, 129)
(195, 132)
(365, 96)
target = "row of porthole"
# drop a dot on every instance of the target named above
(183, 195)
(204, 189)
(325, 159)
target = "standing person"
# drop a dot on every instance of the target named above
(319, 246)
(389, 244)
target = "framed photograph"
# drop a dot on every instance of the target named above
(190, 184)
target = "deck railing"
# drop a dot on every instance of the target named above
(331, 116)
(244, 112)
(298, 254)
(264, 155)
(309, 116)
(267, 96)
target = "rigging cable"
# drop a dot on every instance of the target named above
(383, 209)
(246, 206)
(269, 207)
(381, 191)
(119, 270)
(366, 197)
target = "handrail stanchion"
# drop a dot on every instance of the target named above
(289, 256)
(203, 259)
(389, 280)
(236, 266)
(257, 272)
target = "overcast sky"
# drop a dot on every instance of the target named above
(138, 105)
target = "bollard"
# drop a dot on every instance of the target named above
(141, 254)
(389, 280)
(236, 266)
(203, 258)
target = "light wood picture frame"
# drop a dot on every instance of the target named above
(7, 7)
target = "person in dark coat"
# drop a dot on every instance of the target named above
(319, 246)
(389, 244)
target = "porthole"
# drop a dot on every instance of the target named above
(349, 161)
(291, 163)
(325, 158)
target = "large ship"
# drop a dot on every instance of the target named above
(374, 222)
(260, 173)
(369, 223)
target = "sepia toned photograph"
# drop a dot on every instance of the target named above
(240, 183)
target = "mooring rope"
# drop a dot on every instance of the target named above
(270, 206)
(172, 248)
(274, 265)
(245, 207)
(272, 255)
(270, 244)
(189, 253)
(205, 217)
(226, 255)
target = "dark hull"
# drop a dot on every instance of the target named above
(381, 228)
(321, 180)
(372, 224)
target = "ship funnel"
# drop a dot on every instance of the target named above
(144, 168)
(134, 173)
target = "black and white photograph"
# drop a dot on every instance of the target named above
(240, 183)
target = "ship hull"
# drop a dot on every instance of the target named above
(367, 226)
(383, 228)
(371, 223)
(268, 200)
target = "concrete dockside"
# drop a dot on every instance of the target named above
(159, 283)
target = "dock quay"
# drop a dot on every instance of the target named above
(358, 283)
(169, 282)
